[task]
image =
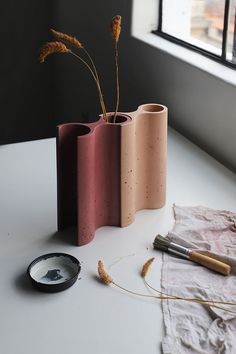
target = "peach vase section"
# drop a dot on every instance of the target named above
(143, 161)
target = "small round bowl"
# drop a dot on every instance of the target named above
(54, 272)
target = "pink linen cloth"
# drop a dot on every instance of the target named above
(194, 328)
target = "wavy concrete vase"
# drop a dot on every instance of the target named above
(108, 171)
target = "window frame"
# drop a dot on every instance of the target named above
(219, 58)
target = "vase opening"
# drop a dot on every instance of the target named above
(120, 118)
(83, 130)
(152, 108)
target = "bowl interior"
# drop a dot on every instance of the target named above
(54, 269)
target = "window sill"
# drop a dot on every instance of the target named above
(210, 66)
(142, 31)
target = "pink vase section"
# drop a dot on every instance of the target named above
(108, 171)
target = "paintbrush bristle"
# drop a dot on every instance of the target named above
(161, 243)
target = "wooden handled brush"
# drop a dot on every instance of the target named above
(162, 243)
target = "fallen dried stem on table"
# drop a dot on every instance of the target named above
(107, 279)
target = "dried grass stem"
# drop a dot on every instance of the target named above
(146, 267)
(117, 82)
(66, 38)
(104, 276)
(169, 297)
(76, 43)
(50, 48)
(115, 31)
(107, 279)
(94, 75)
(116, 27)
(193, 299)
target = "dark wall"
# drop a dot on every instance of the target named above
(35, 97)
(75, 92)
(26, 108)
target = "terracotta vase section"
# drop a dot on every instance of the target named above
(108, 171)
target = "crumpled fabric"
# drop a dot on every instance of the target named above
(189, 327)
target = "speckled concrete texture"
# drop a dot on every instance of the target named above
(143, 161)
(106, 172)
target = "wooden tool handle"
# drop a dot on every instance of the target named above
(211, 263)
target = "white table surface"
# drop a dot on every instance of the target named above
(89, 317)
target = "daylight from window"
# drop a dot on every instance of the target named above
(201, 23)
(231, 43)
(207, 22)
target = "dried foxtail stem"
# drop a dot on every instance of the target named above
(146, 267)
(115, 31)
(104, 276)
(210, 302)
(194, 299)
(66, 38)
(96, 82)
(76, 43)
(50, 48)
(116, 27)
(107, 279)
(99, 85)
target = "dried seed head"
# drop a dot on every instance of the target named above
(68, 39)
(116, 27)
(51, 47)
(146, 267)
(104, 276)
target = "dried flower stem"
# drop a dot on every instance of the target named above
(96, 81)
(146, 267)
(66, 38)
(117, 82)
(50, 48)
(115, 31)
(59, 47)
(139, 294)
(169, 297)
(107, 279)
(76, 43)
(116, 27)
(193, 299)
(173, 297)
(104, 276)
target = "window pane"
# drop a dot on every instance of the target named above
(198, 22)
(208, 22)
(231, 37)
(176, 18)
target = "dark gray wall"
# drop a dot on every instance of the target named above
(36, 97)
(26, 108)
(75, 92)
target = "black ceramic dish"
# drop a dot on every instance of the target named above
(54, 272)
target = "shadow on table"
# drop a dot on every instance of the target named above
(65, 237)
(23, 284)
